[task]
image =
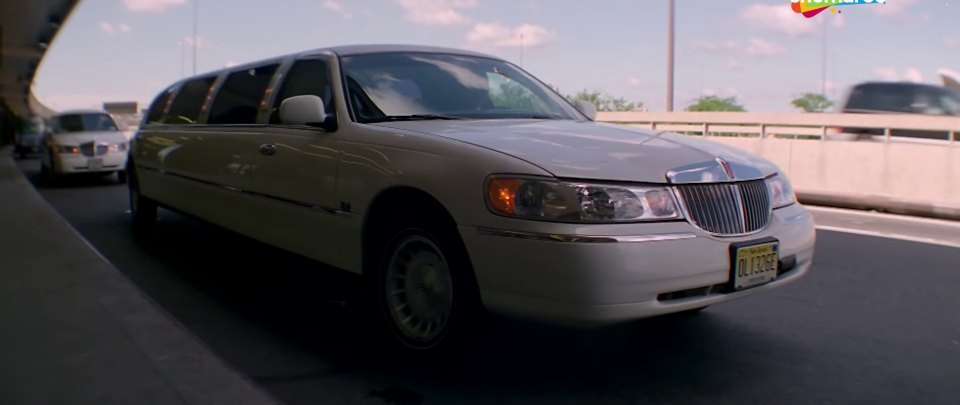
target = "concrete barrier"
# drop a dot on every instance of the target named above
(916, 177)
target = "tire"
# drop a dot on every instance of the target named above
(424, 288)
(142, 209)
(122, 177)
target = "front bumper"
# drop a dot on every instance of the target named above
(642, 270)
(67, 163)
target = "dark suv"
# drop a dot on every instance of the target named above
(28, 139)
(901, 98)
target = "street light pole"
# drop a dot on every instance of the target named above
(823, 61)
(670, 56)
(196, 40)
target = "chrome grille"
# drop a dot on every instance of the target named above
(727, 208)
(91, 149)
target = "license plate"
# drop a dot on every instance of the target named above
(94, 164)
(754, 264)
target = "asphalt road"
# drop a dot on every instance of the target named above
(876, 321)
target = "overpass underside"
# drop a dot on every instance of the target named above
(27, 28)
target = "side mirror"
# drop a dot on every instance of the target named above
(587, 108)
(306, 110)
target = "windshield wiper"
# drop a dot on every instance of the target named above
(412, 117)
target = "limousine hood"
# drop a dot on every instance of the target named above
(78, 138)
(595, 151)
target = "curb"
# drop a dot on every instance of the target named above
(66, 272)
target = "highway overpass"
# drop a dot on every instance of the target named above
(27, 28)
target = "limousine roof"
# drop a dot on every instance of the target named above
(350, 50)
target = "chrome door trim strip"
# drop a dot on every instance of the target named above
(566, 238)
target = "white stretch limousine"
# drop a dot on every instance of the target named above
(456, 181)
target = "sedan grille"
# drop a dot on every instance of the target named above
(727, 208)
(91, 149)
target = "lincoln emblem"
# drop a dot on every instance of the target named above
(726, 168)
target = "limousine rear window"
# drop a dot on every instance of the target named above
(188, 102)
(238, 100)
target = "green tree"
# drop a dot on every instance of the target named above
(605, 102)
(812, 102)
(716, 103)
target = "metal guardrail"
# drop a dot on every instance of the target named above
(763, 125)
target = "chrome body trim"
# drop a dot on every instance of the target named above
(546, 237)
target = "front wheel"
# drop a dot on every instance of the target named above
(427, 289)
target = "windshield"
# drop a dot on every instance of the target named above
(404, 86)
(83, 123)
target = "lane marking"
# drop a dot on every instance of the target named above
(889, 236)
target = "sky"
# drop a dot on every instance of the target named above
(758, 51)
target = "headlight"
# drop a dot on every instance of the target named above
(66, 149)
(117, 147)
(781, 193)
(579, 202)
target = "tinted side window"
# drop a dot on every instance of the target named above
(188, 102)
(159, 105)
(306, 77)
(239, 98)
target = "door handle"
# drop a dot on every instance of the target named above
(268, 149)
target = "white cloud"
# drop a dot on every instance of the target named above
(152, 5)
(503, 36)
(913, 75)
(892, 74)
(436, 12)
(733, 64)
(197, 41)
(111, 29)
(886, 73)
(893, 8)
(778, 18)
(951, 42)
(634, 81)
(230, 63)
(339, 8)
(107, 28)
(708, 46)
(764, 49)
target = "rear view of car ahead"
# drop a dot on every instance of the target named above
(83, 142)
(455, 181)
(899, 98)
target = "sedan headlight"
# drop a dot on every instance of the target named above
(781, 193)
(579, 202)
(117, 147)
